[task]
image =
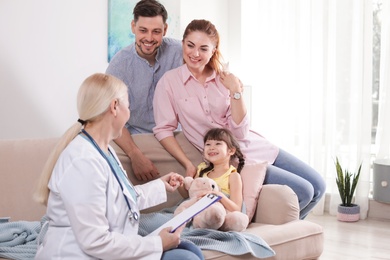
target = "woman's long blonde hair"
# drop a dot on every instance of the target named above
(93, 99)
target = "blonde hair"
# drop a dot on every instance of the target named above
(93, 100)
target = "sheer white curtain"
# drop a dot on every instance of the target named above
(383, 136)
(310, 67)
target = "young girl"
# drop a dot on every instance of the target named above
(221, 150)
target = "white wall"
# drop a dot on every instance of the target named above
(48, 47)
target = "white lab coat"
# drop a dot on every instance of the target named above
(88, 215)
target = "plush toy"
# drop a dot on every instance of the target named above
(215, 216)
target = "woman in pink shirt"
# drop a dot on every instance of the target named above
(200, 96)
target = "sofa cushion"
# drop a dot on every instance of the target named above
(252, 176)
(297, 239)
(277, 205)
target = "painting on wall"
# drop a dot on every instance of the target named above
(120, 15)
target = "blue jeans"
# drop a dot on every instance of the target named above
(185, 251)
(306, 182)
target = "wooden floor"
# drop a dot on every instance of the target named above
(365, 239)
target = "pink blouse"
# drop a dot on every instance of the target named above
(180, 98)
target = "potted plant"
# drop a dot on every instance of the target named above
(346, 184)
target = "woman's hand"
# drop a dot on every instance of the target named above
(190, 170)
(172, 181)
(231, 82)
(170, 240)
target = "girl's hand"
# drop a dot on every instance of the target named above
(176, 180)
(172, 181)
(204, 193)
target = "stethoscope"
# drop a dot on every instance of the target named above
(132, 215)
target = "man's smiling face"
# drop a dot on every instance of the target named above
(149, 33)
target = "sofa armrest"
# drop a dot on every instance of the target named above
(22, 161)
(277, 204)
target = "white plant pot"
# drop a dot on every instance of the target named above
(348, 214)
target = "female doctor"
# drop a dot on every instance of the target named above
(92, 207)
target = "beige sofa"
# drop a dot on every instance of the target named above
(276, 219)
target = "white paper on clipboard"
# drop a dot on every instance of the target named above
(188, 213)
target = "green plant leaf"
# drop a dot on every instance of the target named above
(346, 183)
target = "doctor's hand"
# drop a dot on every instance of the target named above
(172, 181)
(170, 240)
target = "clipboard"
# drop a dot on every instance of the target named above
(188, 213)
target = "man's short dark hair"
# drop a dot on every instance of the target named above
(149, 8)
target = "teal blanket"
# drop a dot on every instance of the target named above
(18, 239)
(232, 243)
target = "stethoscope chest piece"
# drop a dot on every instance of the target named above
(133, 216)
